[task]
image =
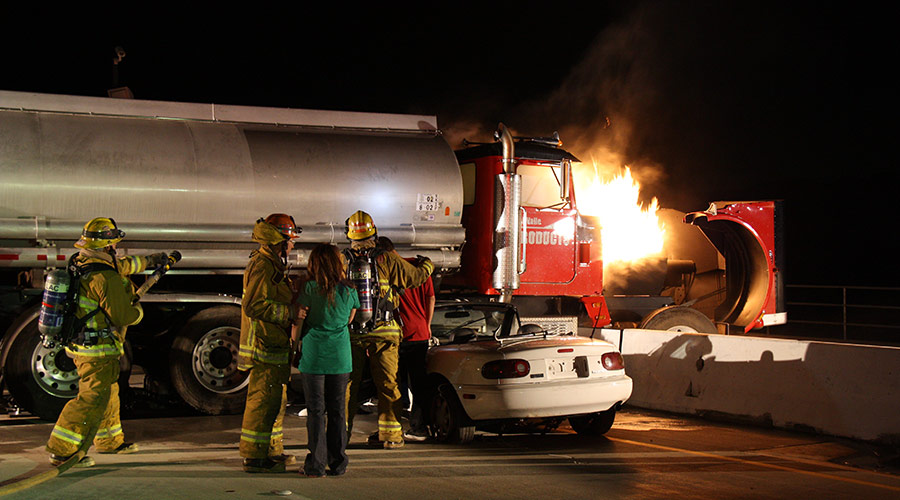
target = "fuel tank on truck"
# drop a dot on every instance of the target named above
(197, 176)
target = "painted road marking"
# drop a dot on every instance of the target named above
(766, 465)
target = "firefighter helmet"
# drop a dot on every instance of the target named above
(285, 224)
(360, 226)
(99, 232)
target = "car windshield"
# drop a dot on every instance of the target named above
(463, 322)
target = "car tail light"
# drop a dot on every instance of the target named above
(506, 368)
(613, 361)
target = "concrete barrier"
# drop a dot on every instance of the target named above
(846, 390)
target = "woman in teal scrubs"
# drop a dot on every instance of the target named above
(326, 361)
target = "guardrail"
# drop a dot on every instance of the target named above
(847, 313)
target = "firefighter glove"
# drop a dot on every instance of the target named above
(156, 260)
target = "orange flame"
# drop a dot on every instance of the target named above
(628, 230)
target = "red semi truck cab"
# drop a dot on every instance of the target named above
(559, 254)
(560, 265)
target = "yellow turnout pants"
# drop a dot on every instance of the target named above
(383, 356)
(93, 416)
(261, 429)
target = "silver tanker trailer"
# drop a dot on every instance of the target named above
(195, 178)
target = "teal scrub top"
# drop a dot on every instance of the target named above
(326, 345)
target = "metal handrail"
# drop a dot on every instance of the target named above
(845, 305)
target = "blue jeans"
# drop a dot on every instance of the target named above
(327, 444)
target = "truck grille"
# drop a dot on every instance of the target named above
(554, 325)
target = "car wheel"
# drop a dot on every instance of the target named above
(204, 359)
(595, 424)
(449, 422)
(679, 319)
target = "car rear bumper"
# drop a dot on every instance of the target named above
(558, 399)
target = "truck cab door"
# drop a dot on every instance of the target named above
(549, 247)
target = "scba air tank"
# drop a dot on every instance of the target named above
(362, 274)
(53, 305)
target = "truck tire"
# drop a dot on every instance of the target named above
(595, 424)
(449, 422)
(203, 362)
(43, 380)
(679, 319)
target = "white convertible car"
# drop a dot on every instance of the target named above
(491, 372)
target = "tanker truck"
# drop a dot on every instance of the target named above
(195, 177)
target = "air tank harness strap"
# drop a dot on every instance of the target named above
(88, 338)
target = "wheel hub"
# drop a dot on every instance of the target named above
(215, 361)
(54, 371)
(221, 358)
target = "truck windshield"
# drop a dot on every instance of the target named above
(540, 185)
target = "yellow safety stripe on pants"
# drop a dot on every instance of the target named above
(255, 437)
(388, 425)
(96, 351)
(67, 435)
(277, 432)
(108, 432)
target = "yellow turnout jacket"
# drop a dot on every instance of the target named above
(267, 308)
(112, 291)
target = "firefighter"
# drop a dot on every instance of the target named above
(268, 311)
(106, 296)
(380, 340)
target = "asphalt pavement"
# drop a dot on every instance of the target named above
(645, 455)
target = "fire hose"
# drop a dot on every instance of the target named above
(153, 278)
(28, 482)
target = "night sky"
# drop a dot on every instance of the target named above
(705, 101)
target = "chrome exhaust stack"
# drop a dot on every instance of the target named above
(507, 222)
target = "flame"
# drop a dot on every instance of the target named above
(628, 230)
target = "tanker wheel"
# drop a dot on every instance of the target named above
(595, 424)
(203, 362)
(449, 422)
(679, 319)
(43, 380)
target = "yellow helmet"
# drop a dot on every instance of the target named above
(360, 226)
(98, 233)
